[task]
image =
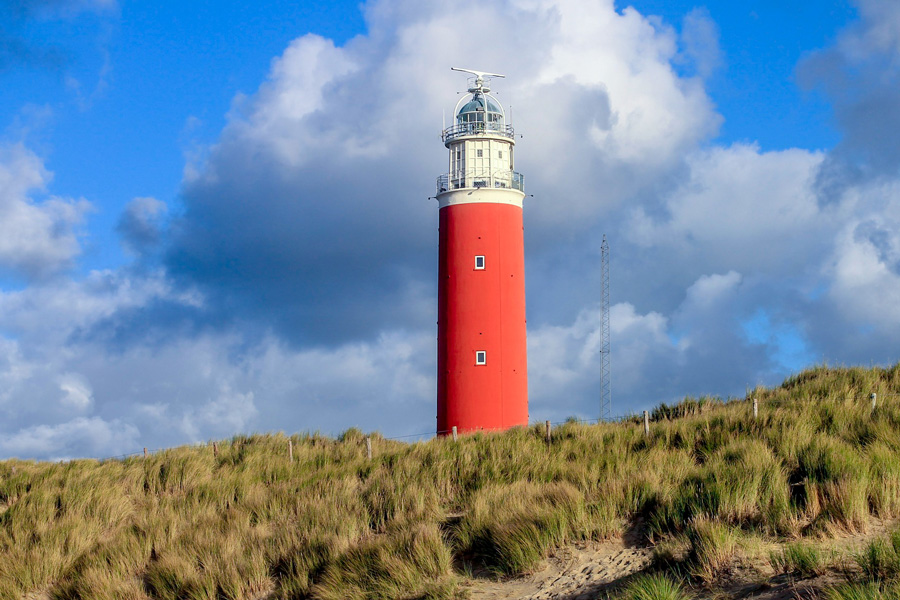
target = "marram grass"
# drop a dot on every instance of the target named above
(880, 559)
(863, 591)
(247, 523)
(653, 587)
(801, 559)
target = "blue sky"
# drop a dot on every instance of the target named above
(755, 87)
(154, 80)
(128, 90)
(215, 216)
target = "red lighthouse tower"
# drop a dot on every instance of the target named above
(482, 358)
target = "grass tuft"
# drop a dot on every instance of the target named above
(880, 559)
(713, 546)
(863, 591)
(799, 559)
(654, 587)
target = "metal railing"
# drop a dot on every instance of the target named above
(502, 179)
(478, 128)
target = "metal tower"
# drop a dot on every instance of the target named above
(605, 399)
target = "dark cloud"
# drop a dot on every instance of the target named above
(882, 239)
(329, 253)
(141, 225)
(860, 75)
(311, 213)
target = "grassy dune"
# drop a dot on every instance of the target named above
(416, 518)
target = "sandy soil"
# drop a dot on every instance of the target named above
(594, 571)
(578, 572)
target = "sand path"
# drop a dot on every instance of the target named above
(595, 570)
(579, 572)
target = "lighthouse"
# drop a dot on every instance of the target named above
(482, 357)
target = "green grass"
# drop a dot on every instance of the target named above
(247, 523)
(509, 528)
(880, 559)
(801, 559)
(713, 547)
(653, 587)
(865, 591)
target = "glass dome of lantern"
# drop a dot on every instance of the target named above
(479, 114)
(480, 109)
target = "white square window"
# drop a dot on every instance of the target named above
(479, 262)
(480, 357)
(500, 154)
(479, 153)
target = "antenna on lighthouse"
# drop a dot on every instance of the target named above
(479, 79)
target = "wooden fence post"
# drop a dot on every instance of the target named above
(548, 431)
(755, 409)
(646, 423)
(874, 398)
(454, 433)
(145, 452)
(291, 450)
(215, 449)
(368, 448)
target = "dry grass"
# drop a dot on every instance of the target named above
(248, 523)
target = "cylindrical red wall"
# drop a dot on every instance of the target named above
(481, 310)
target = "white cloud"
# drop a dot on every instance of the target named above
(82, 436)
(135, 390)
(741, 208)
(700, 36)
(865, 264)
(77, 392)
(227, 412)
(298, 286)
(297, 88)
(50, 312)
(36, 238)
(564, 361)
(653, 115)
(711, 289)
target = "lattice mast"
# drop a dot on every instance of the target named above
(605, 395)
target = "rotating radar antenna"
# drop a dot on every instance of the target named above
(480, 88)
(479, 85)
